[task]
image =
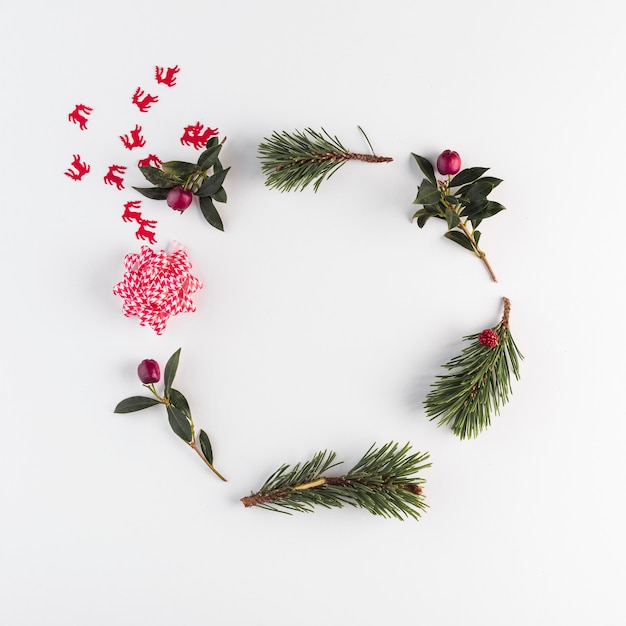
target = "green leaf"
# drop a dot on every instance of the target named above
(210, 213)
(485, 185)
(212, 142)
(427, 193)
(220, 195)
(476, 234)
(135, 403)
(180, 168)
(451, 199)
(491, 209)
(452, 218)
(170, 371)
(492, 180)
(212, 184)
(467, 176)
(427, 210)
(422, 219)
(427, 169)
(479, 188)
(423, 215)
(154, 193)
(218, 167)
(178, 400)
(460, 238)
(476, 206)
(159, 178)
(205, 446)
(208, 157)
(180, 423)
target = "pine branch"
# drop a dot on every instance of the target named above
(479, 382)
(383, 482)
(295, 160)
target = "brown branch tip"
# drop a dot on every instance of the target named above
(505, 315)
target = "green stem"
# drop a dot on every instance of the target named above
(153, 390)
(479, 253)
(194, 445)
(470, 235)
(194, 180)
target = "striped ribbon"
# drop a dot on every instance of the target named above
(157, 285)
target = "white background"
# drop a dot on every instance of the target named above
(323, 318)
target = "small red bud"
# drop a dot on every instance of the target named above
(149, 371)
(488, 338)
(179, 199)
(449, 162)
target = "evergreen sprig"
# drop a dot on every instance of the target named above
(296, 160)
(479, 382)
(383, 482)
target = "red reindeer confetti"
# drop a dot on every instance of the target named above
(195, 136)
(80, 168)
(152, 160)
(157, 286)
(112, 177)
(166, 77)
(135, 140)
(79, 115)
(144, 100)
(146, 227)
(132, 216)
(144, 232)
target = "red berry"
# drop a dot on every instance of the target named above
(488, 338)
(449, 162)
(149, 371)
(179, 199)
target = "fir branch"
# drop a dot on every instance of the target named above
(479, 382)
(295, 160)
(383, 482)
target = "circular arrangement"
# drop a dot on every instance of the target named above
(158, 284)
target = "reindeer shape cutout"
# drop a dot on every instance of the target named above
(132, 216)
(79, 115)
(143, 232)
(112, 178)
(135, 140)
(81, 168)
(193, 135)
(170, 76)
(152, 160)
(143, 100)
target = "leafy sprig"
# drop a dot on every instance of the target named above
(479, 382)
(462, 201)
(194, 177)
(296, 160)
(178, 412)
(384, 482)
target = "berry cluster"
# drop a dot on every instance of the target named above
(488, 338)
